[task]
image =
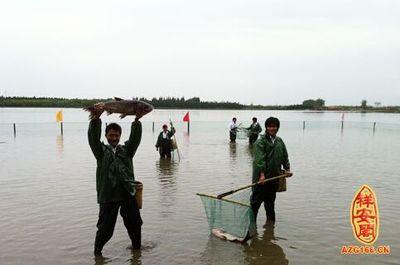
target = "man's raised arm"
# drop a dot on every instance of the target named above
(94, 134)
(134, 138)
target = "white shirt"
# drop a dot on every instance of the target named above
(165, 135)
(272, 139)
(114, 149)
(232, 126)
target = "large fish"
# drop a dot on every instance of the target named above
(121, 106)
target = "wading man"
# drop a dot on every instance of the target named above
(254, 129)
(115, 181)
(164, 141)
(233, 130)
(269, 159)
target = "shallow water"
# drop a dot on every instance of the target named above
(48, 198)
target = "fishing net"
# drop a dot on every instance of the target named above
(242, 134)
(230, 217)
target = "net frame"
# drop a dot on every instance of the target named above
(231, 216)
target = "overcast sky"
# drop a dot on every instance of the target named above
(261, 52)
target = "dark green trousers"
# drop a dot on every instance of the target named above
(253, 138)
(107, 218)
(264, 194)
(232, 137)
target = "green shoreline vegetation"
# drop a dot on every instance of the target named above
(191, 103)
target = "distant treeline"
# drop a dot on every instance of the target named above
(182, 103)
(160, 103)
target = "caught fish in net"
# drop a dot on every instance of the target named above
(230, 218)
(229, 214)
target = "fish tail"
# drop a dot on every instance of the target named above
(90, 109)
(94, 113)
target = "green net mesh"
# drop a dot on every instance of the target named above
(242, 134)
(231, 214)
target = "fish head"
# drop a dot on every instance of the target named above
(144, 108)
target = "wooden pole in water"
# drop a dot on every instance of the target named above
(304, 125)
(374, 126)
(342, 125)
(177, 149)
(153, 126)
(61, 127)
(188, 125)
(15, 130)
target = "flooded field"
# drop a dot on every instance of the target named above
(48, 195)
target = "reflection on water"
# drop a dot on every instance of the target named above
(186, 138)
(136, 258)
(240, 152)
(232, 152)
(167, 169)
(131, 256)
(341, 130)
(100, 260)
(219, 251)
(264, 250)
(60, 143)
(250, 150)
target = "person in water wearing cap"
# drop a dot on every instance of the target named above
(164, 141)
(269, 159)
(254, 129)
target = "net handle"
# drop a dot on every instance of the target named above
(177, 149)
(220, 196)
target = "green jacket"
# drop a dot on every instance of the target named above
(114, 174)
(254, 128)
(169, 137)
(269, 157)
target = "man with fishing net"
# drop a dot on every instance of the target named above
(269, 158)
(253, 131)
(232, 215)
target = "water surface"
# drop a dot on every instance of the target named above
(48, 198)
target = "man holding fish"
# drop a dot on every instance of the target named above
(114, 175)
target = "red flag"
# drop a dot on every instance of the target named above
(186, 117)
